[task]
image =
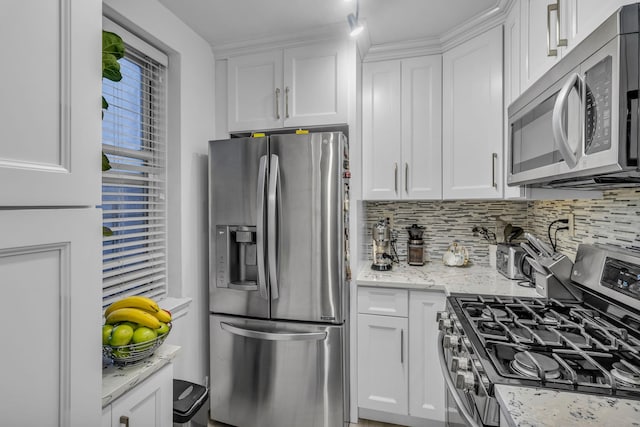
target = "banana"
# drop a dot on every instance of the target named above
(135, 301)
(162, 315)
(135, 315)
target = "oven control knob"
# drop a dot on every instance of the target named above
(460, 363)
(451, 342)
(457, 325)
(484, 380)
(442, 315)
(465, 380)
(466, 342)
(445, 324)
(478, 366)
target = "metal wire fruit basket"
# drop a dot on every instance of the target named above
(132, 353)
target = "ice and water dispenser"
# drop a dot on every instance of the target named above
(237, 264)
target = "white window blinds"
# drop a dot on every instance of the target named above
(133, 191)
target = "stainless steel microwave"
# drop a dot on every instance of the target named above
(577, 126)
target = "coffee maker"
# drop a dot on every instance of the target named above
(415, 245)
(381, 250)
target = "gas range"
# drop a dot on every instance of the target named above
(589, 345)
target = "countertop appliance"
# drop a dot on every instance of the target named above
(589, 344)
(577, 126)
(415, 245)
(509, 258)
(381, 246)
(278, 296)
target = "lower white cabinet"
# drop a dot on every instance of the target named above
(148, 404)
(398, 369)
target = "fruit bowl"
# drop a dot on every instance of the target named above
(131, 353)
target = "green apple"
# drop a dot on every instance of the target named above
(132, 324)
(163, 329)
(144, 334)
(106, 334)
(121, 335)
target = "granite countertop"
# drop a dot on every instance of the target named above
(528, 407)
(473, 279)
(117, 380)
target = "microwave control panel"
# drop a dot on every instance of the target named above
(597, 81)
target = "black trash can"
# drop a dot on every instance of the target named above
(188, 398)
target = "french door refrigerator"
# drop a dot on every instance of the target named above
(277, 288)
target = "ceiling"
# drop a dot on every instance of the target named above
(223, 22)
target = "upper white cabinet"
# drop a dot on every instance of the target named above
(472, 118)
(402, 129)
(50, 120)
(550, 29)
(301, 86)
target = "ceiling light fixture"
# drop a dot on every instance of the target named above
(355, 27)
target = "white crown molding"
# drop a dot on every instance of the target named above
(404, 49)
(337, 31)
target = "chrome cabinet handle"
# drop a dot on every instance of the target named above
(494, 181)
(559, 41)
(124, 420)
(406, 178)
(286, 102)
(262, 182)
(401, 346)
(550, 8)
(395, 177)
(273, 336)
(277, 103)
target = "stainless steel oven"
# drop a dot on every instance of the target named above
(577, 126)
(588, 343)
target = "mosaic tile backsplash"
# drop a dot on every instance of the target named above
(614, 219)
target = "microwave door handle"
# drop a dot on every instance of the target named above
(274, 182)
(262, 181)
(462, 409)
(559, 132)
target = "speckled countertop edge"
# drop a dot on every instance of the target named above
(529, 407)
(117, 380)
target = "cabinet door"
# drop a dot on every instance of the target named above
(383, 363)
(422, 128)
(472, 121)
(426, 384)
(255, 91)
(50, 114)
(315, 85)
(584, 16)
(50, 263)
(381, 127)
(149, 404)
(539, 30)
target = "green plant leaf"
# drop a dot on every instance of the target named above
(106, 165)
(105, 104)
(112, 44)
(106, 231)
(111, 67)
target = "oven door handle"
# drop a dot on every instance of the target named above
(468, 418)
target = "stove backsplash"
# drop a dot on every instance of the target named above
(614, 219)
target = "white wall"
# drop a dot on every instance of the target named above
(191, 125)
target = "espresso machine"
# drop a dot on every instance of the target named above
(381, 252)
(415, 245)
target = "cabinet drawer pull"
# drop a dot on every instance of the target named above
(494, 181)
(395, 177)
(559, 41)
(406, 178)
(286, 102)
(550, 8)
(277, 104)
(401, 346)
(124, 420)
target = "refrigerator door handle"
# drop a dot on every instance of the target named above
(274, 182)
(262, 181)
(273, 336)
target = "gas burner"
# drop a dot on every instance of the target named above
(550, 318)
(523, 365)
(625, 375)
(576, 339)
(546, 336)
(488, 313)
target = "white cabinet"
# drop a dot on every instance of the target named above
(383, 363)
(301, 86)
(472, 118)
(149, 404)
(399, 378)
(401, 132)
(426, 384)
(50, 150)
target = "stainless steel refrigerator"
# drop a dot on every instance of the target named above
(277, 291)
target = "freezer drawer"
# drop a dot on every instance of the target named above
(276, 374)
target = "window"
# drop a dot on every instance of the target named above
(133, 191)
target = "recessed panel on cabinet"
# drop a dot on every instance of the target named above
(383, 301)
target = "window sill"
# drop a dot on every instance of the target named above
(178, 307)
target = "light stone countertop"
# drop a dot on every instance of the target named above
(474, 279)
(529, 407)
(117, 380)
